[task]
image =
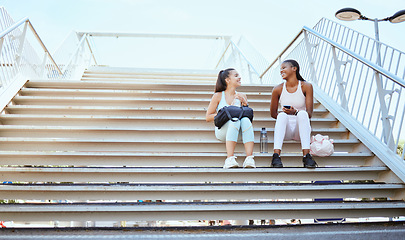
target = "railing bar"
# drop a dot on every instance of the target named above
(44, 47)
(223, 55)
(356, 63)
(363, 87)
(364, 61)
(395, 114)
(281, 54)
(358, 85)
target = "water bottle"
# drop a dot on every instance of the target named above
(263, 141)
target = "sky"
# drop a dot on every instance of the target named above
(269, 25)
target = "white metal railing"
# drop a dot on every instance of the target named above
(19, 59)
(344, 68)
(244, 57)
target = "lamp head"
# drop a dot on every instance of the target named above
(348, 14)
(397, 17)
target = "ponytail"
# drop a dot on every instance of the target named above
(295, 64)
(221, 83)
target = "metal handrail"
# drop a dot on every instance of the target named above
(281, 54)
(26, 20)
(84, 37)
(356, 56)
(151, 35)
(244, 57)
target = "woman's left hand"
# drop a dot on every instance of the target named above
(242, 98)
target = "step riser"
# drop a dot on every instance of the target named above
(148, 136)
(135, 112)
(84, 195)
(125, 103)
(116, 85)
(196, 215)
(185, 95)
(209, 161)
(142, 146)
(148, 124)
(184, 177)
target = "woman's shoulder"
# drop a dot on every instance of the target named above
(278, 88)
(217, 95)
(306, 85)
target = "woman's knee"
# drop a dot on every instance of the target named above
(282, 117)
(302, 115)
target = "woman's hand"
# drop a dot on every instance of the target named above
(242, 98)
(289, 111)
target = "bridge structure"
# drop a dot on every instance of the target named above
(84, 143)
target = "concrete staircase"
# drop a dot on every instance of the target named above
(123, 135)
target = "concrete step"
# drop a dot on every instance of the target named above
(123, 101)
(173, 145)
(170, 159)
(330, 231)
(186, 175)
(209, 191)
(136, 133)
(146, 122)
(117, 85)
(198, 211)
(131, 93)
(172, 111)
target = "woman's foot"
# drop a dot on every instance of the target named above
(309, 162)
(230, 162)
(249, 162)
(276, 161)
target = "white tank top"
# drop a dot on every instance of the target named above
(223, 102)
(296, 99)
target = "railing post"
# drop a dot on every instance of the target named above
(21, 46)
(339, 80)
(308, 47)
(385, 118)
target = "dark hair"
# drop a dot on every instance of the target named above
(295, 64)
(221, 84)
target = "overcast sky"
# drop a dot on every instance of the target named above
(268, 24)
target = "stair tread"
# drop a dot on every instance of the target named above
(197, 187)
(173, 154)
(39, 139)
(142, 129)
(186, 169)
(201, 206)
(59, 116)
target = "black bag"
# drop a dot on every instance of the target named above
(232, 113)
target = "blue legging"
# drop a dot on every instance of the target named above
(230, 131)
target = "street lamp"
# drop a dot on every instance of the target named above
(350, 14)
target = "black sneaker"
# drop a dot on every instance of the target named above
(276, 162)
(309, 162)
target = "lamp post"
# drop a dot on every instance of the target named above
(351, 14)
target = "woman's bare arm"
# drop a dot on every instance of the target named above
(212, 107)
(275, 97)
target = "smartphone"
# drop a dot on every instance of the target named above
(288, 107)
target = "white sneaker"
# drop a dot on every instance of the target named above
(249, 162)
(231, 162)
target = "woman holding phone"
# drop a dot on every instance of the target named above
(295, 96)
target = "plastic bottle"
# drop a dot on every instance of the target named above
(263, 141)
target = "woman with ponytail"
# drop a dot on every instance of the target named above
(226, 95)
(292, 123)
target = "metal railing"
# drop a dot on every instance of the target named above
(344, 68)
(244, 57)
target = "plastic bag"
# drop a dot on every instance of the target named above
(321, 146)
